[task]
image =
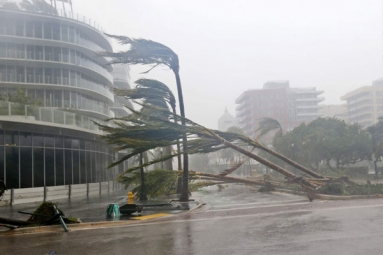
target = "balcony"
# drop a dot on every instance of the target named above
(50, 59)
(65, 17)
(308, 106)
(43, 116)
(49, 81)
(312, 99)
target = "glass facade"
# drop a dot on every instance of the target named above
(51, 54)
(36, 160)
(55, 69)
(64, 99)
(54, 60)
(48, 31)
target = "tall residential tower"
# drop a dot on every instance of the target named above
(290, 106)
(53, 87)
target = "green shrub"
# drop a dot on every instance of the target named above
(332, 188)
(365, 189)
(267, 188)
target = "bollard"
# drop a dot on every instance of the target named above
(45, 193)
(130, 197)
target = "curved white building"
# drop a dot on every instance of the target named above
(52, 58)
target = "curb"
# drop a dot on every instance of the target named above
(331, 197)
(59, 228)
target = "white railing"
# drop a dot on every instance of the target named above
(50, 115)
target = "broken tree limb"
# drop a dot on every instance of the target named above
(261, 160)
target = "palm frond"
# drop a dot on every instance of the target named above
(233, 168)
(142, 52)
(266, 125)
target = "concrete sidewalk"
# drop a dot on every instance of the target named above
(93, 208)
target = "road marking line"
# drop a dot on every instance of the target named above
(252, 207)
(151, 216)
(260, 203)
(250, 215)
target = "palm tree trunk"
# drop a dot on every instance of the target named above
(231, 179)
(185, 176)
(289, 161)
(263, 161)
(178, 143)
(168, 164)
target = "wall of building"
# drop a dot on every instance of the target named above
(335, 111)
(290, 106)
(54, 59)
(365, 104)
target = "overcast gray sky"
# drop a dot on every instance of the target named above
(227, 47)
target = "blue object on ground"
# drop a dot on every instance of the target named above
(113, 210)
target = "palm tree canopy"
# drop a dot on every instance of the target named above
(143, 131)
(143, 52)
(149, 131)
(152, 92)
(266, 125)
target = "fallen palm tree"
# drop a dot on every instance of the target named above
(146, 132)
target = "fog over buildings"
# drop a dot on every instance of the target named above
(228, 47)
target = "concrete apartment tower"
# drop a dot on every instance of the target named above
(290, 106)
(365, 104)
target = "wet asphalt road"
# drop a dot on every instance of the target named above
(235, 221)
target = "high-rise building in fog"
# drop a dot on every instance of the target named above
(290, 106)
(334, 111)
(365, 104)
(48, 137)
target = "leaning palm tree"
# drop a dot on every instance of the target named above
(147, 52)
(153, 92)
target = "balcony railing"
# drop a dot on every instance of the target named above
(62, 58)
(56, 80)
(49, 115)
